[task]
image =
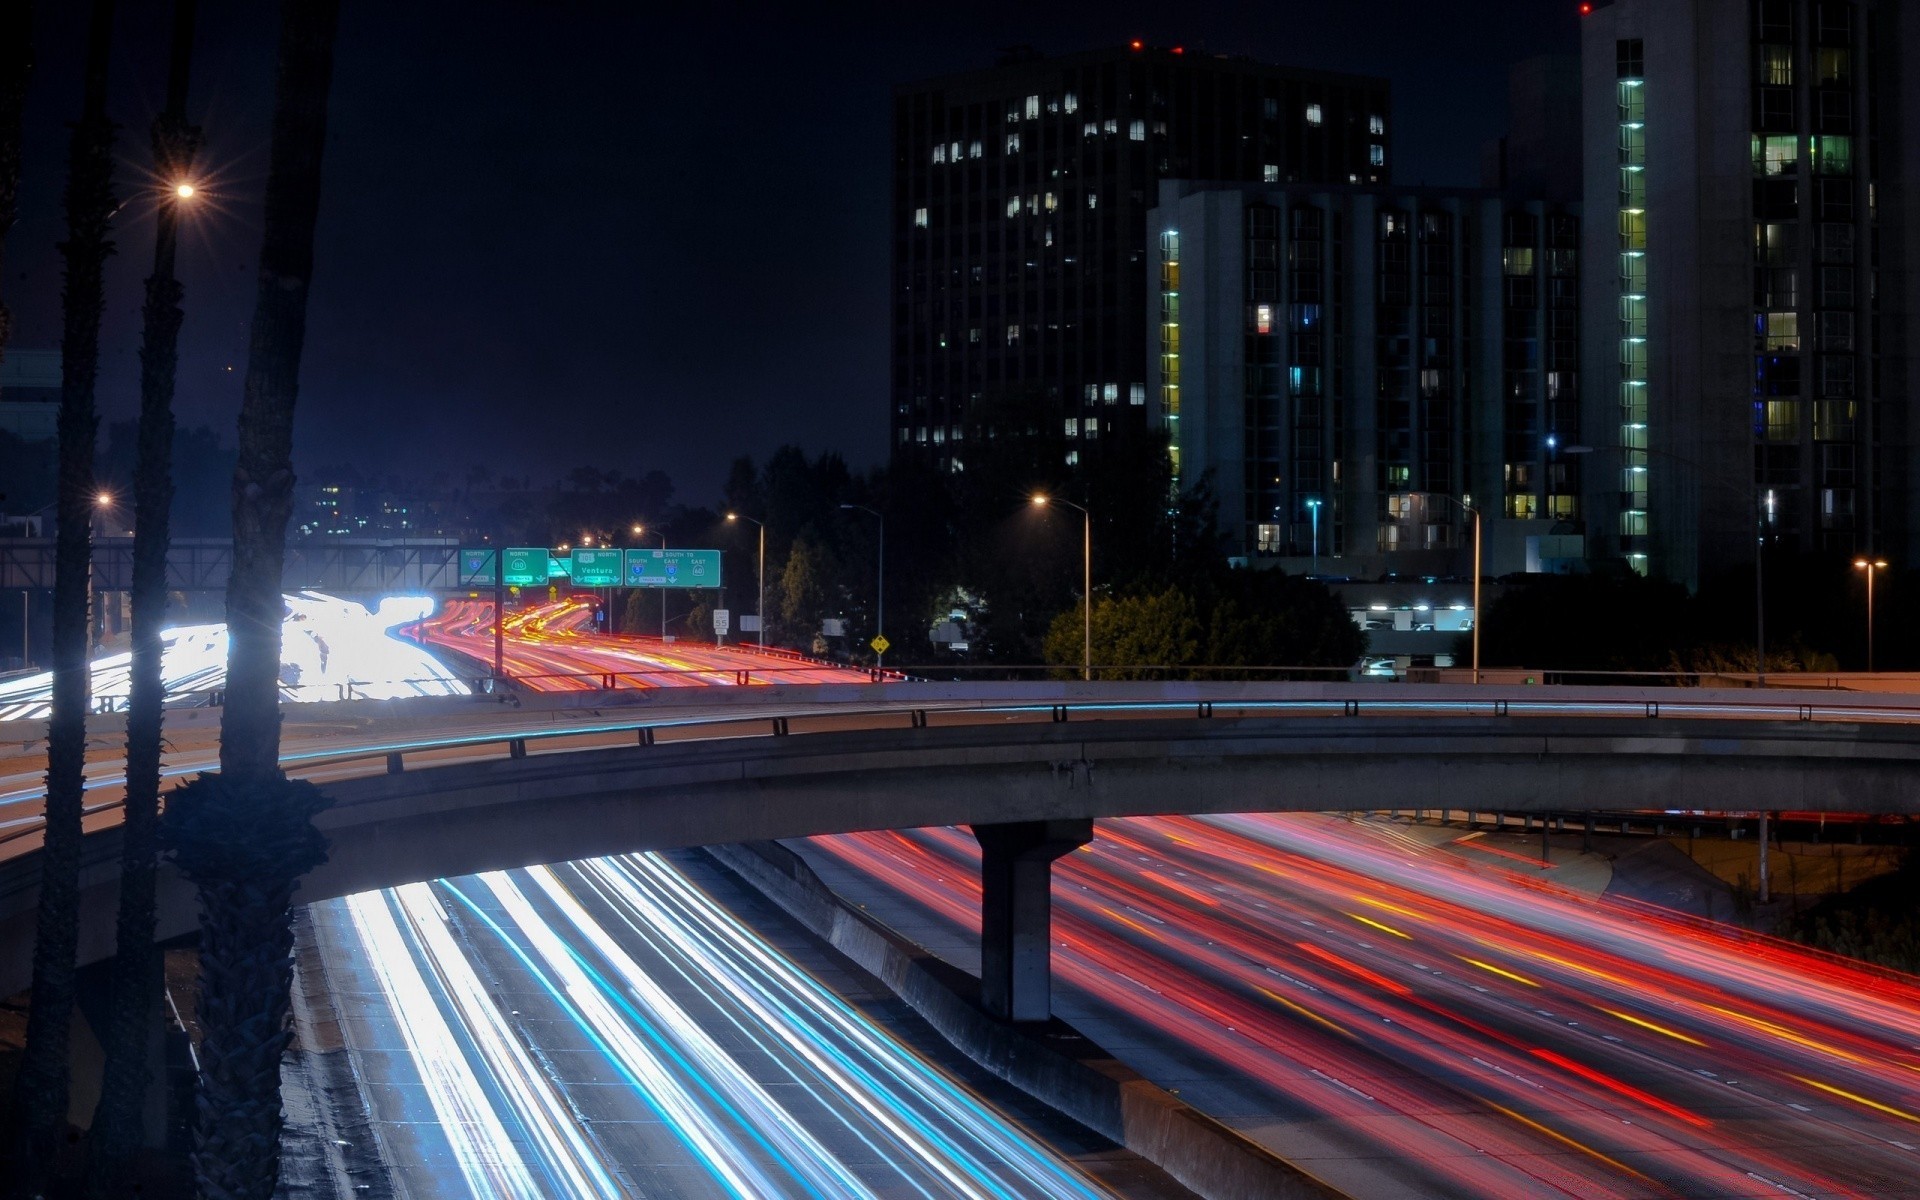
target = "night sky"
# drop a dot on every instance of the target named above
(556, 233)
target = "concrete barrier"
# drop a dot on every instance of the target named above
(1065, 1071)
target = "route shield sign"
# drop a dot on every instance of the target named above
(526, 566)
(476, 566)
(595, 568)
(673, 568)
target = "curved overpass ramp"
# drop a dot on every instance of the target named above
(407, 810)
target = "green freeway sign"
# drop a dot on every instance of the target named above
(595, 568)
(476, 567)
(526, 566)
(673, 568)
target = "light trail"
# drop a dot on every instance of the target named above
(553, 647)
(1576, 1047)
(719, 1057)
(330, 649)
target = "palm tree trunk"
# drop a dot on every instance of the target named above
(16, 63)
(41, 1088)
(246, 835)
(132, 1023)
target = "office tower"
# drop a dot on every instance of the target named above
(1021, 247)
(1749, 294)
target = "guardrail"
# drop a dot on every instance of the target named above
(515, 744)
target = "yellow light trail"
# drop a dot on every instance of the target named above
(1377, 925)
(1630, 1019)
(1564, 1140)
(1496, 970)
(1873, 1104)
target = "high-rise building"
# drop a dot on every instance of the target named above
(30, 394)
(1021, 247)
(1749, 288)
(1358, 366)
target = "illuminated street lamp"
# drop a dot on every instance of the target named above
(1041, 500)
(1313, 509)
(1478, 613)
(1871, 567)
(760, 577)
(639, 530)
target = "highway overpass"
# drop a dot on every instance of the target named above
(1030, 764)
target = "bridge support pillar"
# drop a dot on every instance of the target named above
(1016, 915)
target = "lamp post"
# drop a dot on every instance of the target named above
(1871, 567)
(638, 531)
(760, 577)
(879, 584)
(1478, 613)
(1313, 510)
(1041, 500)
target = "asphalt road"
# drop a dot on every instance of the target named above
(1407, 1024)
(645, 1027)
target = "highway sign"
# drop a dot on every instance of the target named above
(880, 643)
(476, 566)
(673, 568)
(722, 618)
(595, 568)
(526, 566)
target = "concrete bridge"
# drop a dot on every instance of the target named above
(1028, 767)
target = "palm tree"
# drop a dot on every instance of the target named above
(16, 63)
(132, 1022)
(246, 835)
(40, 1091)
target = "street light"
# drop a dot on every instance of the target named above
(1041, 500)
(1872, 568)
(1313, 509)
(880, 585)
(760, 578)
(638, 531)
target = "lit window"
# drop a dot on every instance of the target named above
(940, 153)
(1033, 107)
(973, 335)
(1093, 199)
(1778, 155)
(1073, 426)
(1073, 458)
(1092, 392)
(920, 434)
(1051, 202)
(1070, 103)
(956, 152)
(1263, 318)
(1377, 155)
(1136, 393)
(973, 150)
(1090, 129)
(1091, 428)
(1137, 131)
(1111, 125)
(1376, 125)
(1013, 206)
(1110, 392)
(1013, 143)
(1270, 173)
(1517, 260)
(1314, 116)
(940, 435)
(1013, 335)
(919, 218)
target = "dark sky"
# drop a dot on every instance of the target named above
(556, 232)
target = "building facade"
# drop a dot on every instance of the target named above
(1749, 286)
(30, 394)
(1020, 233)
(1352, 369)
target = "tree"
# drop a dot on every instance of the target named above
(133, 1018)
(245, 836)
(1611, 622)
(805, 591)
(41, 1087)
(1160, 629)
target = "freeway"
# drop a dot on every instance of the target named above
(553, 648)
(1406, 1026)
(616, 1028)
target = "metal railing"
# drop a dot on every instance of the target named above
(515, 743)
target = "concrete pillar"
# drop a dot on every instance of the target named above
(1016, 916)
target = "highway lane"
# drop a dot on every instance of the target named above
(613, 1028)
(553, 647)
(1403, 1025)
